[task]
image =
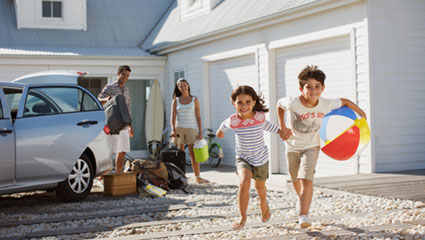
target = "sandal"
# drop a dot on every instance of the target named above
(201, 180)
(267, 215)
(238, 225)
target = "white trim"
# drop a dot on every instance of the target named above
(233, 53)
(206, 94)
(371, 88)
(353, 53)
(272, 99)
(84, 8)
(255, 24)
(314, 36)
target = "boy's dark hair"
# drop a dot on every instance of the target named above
(123, 68)
(248, 90)
(310, 72)
(177, 92)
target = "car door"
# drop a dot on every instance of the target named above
(53, 128)
(7, 144)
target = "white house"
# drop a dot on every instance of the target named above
(95, 36)
(372, 51)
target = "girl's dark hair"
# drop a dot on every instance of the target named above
(248, 90)
(177, 92)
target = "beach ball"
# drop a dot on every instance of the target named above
(343, 134)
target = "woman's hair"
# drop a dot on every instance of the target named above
(245, 89)
(177, 92)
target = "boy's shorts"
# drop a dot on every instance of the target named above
(187, 136)
(258, 172)
(302, 163)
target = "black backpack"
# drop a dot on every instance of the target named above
(176, 177)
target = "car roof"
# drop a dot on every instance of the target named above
(53, 76)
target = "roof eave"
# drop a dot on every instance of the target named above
(279, 17)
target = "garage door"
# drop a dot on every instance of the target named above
(333, 56)
(226, 75)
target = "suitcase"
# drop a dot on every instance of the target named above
(117, 115)
(175, 156)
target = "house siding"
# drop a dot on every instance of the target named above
(397, 78)
(192, 59)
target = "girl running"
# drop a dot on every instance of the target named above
(249, 124)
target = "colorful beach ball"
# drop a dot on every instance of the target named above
(343, 134)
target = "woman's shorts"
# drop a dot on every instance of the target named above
(187, 136)
(258, 172)
(302, 163)
(121, 142)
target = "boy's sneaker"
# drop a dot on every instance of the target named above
(304, 222)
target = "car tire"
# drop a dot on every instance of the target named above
(78, 184)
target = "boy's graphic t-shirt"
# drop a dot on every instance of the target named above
(249, 137)
(305, 122)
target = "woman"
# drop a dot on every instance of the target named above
(185, 115)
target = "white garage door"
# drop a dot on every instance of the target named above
(226, 75)
(333, 57)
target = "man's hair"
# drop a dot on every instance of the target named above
(311, 72)
(123, 68)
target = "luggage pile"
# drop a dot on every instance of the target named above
(156, 177)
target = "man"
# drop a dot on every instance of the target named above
(121, 141)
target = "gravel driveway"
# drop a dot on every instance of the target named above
(207, 213)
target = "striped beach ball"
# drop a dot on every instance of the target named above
(343, 134)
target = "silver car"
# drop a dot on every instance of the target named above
(51, 135)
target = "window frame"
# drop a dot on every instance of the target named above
(52, 12)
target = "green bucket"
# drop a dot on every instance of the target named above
(200, 149)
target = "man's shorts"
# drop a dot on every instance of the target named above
(258, 172)
(121, 142)
(187, 135)
(302, 163)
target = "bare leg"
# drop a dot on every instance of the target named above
(260, 186)
(306, 196)
(195, 165)
(243, 195)
(119, 162)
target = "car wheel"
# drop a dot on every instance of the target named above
(78, 184)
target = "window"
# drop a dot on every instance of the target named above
(52, 9)
(1, 111)
(54, 100)
(177, 75)
(88, 103)
(13, 96)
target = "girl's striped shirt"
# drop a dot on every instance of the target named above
(249, 137)
(186, 117)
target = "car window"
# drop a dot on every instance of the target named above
(13, 96)
(55, 100)
(89, 103)
(1, 111)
